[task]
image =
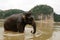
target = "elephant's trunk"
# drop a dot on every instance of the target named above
(34, 28)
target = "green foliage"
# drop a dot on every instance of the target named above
(1, 14)
(37, 10)
(56, 17)
(41, 9)
(12, 11)
(9, 12)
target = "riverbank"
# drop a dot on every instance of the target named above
(2, 22)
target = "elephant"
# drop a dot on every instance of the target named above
(17, 22)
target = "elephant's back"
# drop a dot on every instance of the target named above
(12, 18)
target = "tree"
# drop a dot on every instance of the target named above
(56, 17)
(12, 11)
(41, 9)
(1, 14)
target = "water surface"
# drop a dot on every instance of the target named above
(29, 36)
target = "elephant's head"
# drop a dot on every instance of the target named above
(30, 20)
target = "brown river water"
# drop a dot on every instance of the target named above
(27, 35)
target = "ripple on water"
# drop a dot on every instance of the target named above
(27, 35)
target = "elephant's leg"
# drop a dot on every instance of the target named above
(9, 27)
(21, 27)
(6, 27)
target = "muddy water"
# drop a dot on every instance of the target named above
(55, 35)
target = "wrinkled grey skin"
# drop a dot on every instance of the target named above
(17, 22)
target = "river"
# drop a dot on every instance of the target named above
(28, 36)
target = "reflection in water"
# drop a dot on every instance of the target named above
(13, 36)
(26, 36)
(40, 35)
(10, 35)
(1, 33)
(56, 35)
